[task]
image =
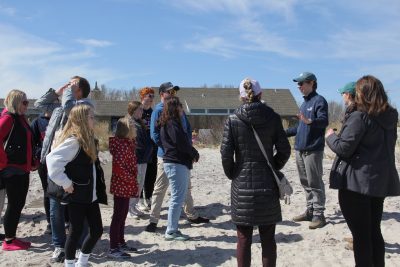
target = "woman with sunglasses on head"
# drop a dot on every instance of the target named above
(15, 163)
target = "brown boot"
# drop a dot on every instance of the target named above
(317, 222)
(305, 217)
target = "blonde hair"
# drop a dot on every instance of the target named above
(125, 128)
(248, 87)
(13, 100)
(78, 126)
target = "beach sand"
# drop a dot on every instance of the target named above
(212, 244)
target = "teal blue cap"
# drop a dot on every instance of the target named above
(348, 88)
(305, 76)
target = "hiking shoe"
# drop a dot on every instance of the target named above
(125, 248)
(152, 227)
(48, 230)
(177, 236)
(317, 222)
(16, 244)
(116, 253)
(199, 220)
(307, 216)
(58, 255)
(135, 213)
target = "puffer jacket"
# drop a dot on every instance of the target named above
(254, 193)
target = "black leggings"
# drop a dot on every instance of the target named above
(77, 214)
(16, 189)
(151, 175)
(363, 215)
(268, 245)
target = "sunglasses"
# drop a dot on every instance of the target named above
(25, 102)
(150, 95)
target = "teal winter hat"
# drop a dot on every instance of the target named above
(305, 76)
(348, 88)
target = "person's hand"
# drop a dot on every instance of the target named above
(329, 132)
(303, 118)
(69, 189)
(61, 90)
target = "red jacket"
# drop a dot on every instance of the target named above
(6, 122)
(124, 167)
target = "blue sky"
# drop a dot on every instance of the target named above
(126, 43)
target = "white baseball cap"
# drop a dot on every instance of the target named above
(255, 86)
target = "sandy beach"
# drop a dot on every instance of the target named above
(212, 244)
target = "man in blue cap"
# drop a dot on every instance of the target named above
(309, 146)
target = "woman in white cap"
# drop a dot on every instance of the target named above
(254, 193)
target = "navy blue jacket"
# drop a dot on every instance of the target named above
(144, 145)
(38, 127)
(311, 137)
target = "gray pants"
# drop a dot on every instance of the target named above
(309, 166)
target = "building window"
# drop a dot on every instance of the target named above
(197, 110)
(218, 111)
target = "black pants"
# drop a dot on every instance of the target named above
(363, 215)
(16, 189)
(268, 245)
(151, 175)
(42, 171)
(77, 214)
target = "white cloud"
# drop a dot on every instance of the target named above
(94, 42)
(212, 45)
(9, 11)
(34, 64)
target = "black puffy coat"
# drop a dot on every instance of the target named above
(254, 193)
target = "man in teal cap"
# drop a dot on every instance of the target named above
(309, 146)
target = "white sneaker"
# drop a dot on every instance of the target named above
(77, 252)
(135, 213)
(58, 255)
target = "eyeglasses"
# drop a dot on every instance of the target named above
(25, 102)
(300, 83)
(150, 95)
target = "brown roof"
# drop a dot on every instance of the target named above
(281, 100)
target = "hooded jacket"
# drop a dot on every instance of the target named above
(254, 193)
(366, 146)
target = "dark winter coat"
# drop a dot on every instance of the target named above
(144, 145)
(366, 154)
(254, 193)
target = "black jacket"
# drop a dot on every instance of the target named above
(366, 154)
(254, 193)
(177, 148)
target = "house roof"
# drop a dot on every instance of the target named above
(281, 100)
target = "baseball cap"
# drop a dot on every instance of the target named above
(255, 86)
(305, 76)
(348, 88)
(166, 87)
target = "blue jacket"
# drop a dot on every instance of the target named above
(155, 129)
(311, 137)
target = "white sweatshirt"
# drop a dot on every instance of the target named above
(59, 157)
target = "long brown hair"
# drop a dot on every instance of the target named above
(78, 126)
(371, 96)
(171, 109)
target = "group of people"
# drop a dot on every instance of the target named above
(364, 170)
(152, 150)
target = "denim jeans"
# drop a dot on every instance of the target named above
(57, 221)
(160, 188)
(178, 176)
(309, 166)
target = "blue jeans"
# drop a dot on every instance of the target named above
(178, 176)
(57, 221)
